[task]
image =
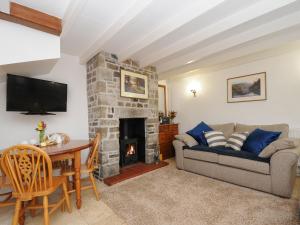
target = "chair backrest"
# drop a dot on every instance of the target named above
(2, 174)
(29, 170)
(93, 158)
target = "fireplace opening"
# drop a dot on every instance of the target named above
(132, 141)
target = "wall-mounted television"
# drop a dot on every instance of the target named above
(35, 96)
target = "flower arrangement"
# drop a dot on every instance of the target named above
(172, 115)
(41, 127)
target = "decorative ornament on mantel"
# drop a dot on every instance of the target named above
(41, 128)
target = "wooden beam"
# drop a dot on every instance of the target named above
(7, 17)
(32, 18)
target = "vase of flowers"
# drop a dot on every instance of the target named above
(172, 115)
(41, 128)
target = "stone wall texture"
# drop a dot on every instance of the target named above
(106, 107)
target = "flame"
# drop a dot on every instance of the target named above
(130, 151)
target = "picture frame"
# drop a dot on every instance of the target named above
(252, 87)
(134, 85)
(162, 99)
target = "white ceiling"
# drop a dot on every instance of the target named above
(177, 36)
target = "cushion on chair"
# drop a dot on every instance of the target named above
(187, 139)
(236, 140)
(198, 132)
(258, 140)
(283, 128)
(246, 164)
(226, 128)
(280, 144)
(201, 155)
(227, 151)
(215, 138)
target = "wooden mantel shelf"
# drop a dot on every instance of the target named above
(32, 18)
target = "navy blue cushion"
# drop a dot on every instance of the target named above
(258, 140)
(221, 150)
(198, 133)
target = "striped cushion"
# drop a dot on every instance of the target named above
(215, 138)
(237, 140)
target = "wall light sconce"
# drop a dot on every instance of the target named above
(194, 92)
(194, 87)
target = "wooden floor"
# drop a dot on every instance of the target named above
(133, 171)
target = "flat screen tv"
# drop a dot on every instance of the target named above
(35, 96)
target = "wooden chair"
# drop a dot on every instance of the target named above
(29, 169)
(90, 165)
(62, 162)
(5, 198)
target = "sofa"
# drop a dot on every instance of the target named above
(274, 175)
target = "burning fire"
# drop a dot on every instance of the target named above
(130, 150)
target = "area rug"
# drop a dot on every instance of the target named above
(171, 196)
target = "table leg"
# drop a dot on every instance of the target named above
(73, 177)
(77, 164)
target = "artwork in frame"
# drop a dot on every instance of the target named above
(247, 88)
(134, 85)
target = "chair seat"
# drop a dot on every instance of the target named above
(39, 191)
(69, 170)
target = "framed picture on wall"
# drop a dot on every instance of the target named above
(162, 99)
(247, 88)
(134, 85)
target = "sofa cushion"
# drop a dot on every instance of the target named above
(246, 164)
(187, 139)
(226, 128)
(236, 140)
(201, 155)
(215, 138)
(198, 132)
(283, 128)
(228, 152)
(258, 140)
(280, 144)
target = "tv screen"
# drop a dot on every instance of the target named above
(34, 95)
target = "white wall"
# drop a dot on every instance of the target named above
(283, 93)
(15, 127)
(19, 43)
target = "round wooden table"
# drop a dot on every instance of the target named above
(70, 150)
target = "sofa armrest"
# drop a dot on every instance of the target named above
(178, 145)
(283, 171)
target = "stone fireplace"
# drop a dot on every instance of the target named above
(108, 112)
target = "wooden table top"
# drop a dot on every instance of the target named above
(71, 146)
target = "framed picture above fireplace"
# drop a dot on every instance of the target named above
(134, 85)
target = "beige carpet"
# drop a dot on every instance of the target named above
(171, 196)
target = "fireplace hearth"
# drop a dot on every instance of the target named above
(132, 141)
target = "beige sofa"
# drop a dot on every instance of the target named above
(276, 176)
